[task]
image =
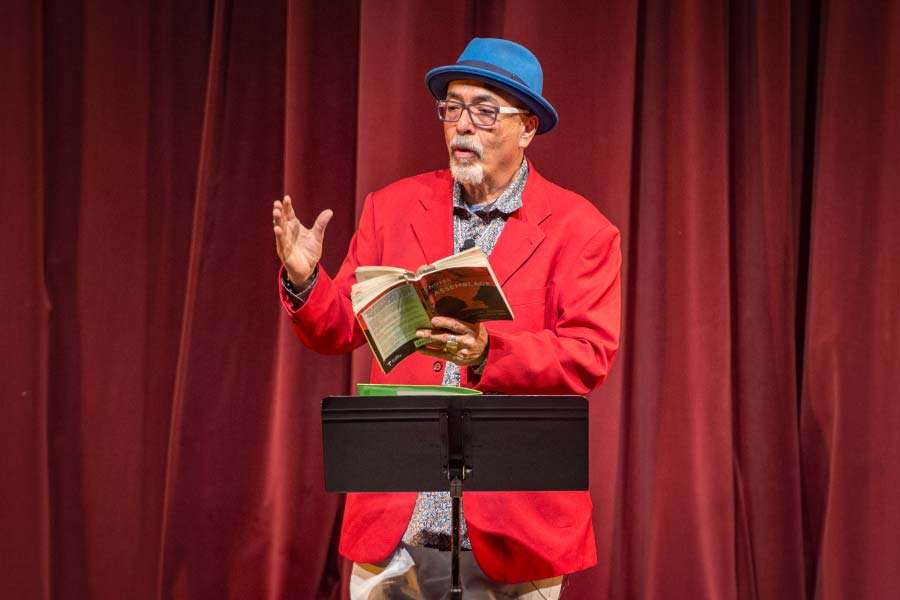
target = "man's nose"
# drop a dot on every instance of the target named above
(465, 124)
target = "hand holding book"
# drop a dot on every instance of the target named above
(457, 341)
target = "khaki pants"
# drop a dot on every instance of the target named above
(413, 573)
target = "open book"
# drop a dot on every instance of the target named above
(391, 303)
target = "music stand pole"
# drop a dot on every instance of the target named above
(455, 498)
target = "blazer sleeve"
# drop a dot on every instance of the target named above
(573, 354)
(326, 322)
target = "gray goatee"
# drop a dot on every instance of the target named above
(468, 171)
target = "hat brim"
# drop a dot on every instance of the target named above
(439, 79)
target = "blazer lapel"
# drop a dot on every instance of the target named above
(522, 235)
(433, 223)
(516, 244)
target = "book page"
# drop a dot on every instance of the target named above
(392, 321)
(365, 290)
(367, 273)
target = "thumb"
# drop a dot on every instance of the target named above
(322, 222)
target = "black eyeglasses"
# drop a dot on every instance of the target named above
(483, 115)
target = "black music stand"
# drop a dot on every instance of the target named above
(436, 443)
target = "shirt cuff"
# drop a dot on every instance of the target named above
(299, 294)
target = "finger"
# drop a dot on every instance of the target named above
(288, 208)
(278, 216)
(435, 353)
(276, 224)
(453, 325)
(441, 340)
(281, 231)
(322, 222)
(436, 345)
(439, 335)
(277, 208)
(460, 358)
(440, 330)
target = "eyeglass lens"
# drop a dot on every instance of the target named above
(481, 114)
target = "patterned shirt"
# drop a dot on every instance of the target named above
(431, 519)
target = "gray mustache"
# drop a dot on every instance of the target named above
(467, 144)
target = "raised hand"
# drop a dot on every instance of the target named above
(298, 248)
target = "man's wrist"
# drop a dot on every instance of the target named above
(301, 291)
(479, 368)
(297, 282)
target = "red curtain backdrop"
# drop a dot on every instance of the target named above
(160, 434)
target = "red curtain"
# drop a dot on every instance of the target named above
(160, 433)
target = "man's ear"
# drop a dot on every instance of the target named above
(529, 129)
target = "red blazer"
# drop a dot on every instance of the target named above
(558, 261)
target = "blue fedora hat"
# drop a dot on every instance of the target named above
(502, 64)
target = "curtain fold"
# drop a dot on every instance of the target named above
(161, 423)
(849, 413)
(222, 410)
(589, 53)
(320, 162)
(763, 264)
(24, 334)
(677, 428)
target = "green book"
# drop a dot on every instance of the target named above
(386, 389)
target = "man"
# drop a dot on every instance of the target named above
(557, 259)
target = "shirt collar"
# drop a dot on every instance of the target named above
(507, 203)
